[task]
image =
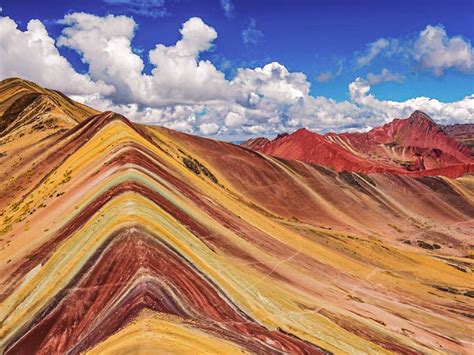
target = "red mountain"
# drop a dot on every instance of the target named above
(415, 146)
(463, 133)
(256, 143)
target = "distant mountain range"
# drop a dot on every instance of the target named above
(415, 146)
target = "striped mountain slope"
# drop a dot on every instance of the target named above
(117, 238)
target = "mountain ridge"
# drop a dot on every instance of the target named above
(21, 100)
(415, 145)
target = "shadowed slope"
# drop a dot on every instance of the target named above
(13, 89)
(463, 133)
(32, 120)
(25, 105)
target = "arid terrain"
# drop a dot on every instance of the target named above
(117, 237)
(415, 146)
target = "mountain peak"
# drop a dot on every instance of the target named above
(303, 132)
(19, 83)
(282, 135)
(403, 145)
(26, 107)
(255, 143)
(420, 116)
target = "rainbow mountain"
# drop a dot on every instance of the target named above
(117, 237)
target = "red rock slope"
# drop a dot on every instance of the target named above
(463, 133)
(412, 146)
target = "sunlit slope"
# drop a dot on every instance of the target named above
(19, 97)
(396, 208)
(139, 238)
(415, 146)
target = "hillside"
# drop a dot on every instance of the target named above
(117, 237)
(464, 133)
(414, 146)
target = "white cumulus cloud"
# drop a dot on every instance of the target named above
(434, 50)
(32, 54)
(179, 76)
(234, 119)
(190, 94)
(105, 43)
(208, 128)
(458, 111)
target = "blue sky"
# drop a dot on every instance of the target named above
(322, 39)
(308, 36)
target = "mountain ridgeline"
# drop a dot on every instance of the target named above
(415, 146)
